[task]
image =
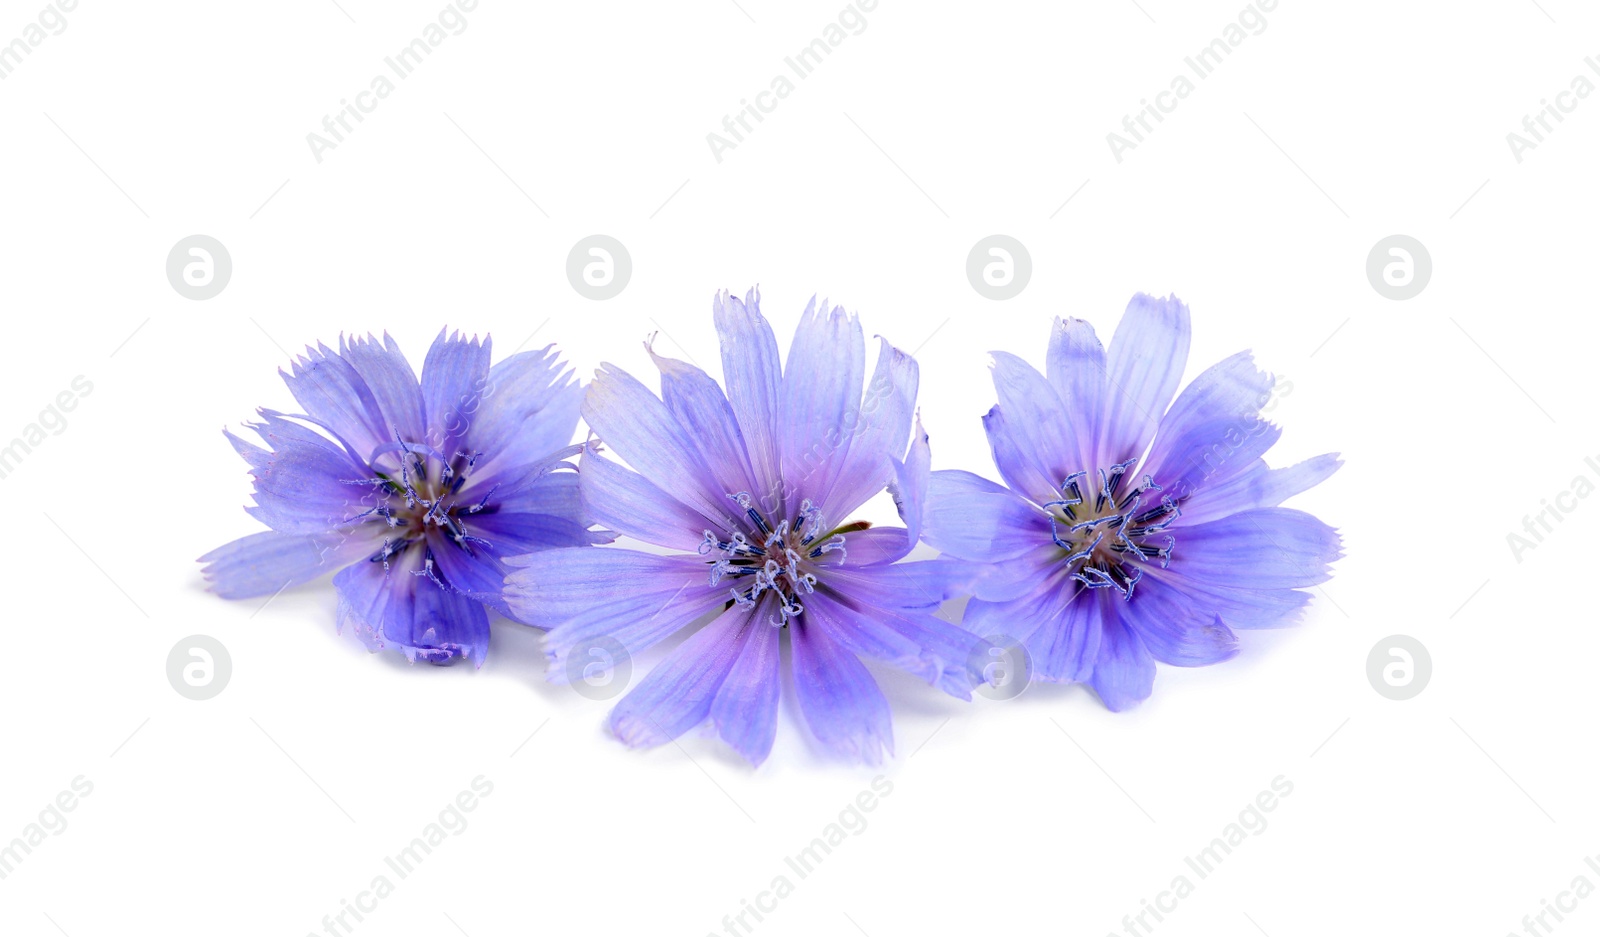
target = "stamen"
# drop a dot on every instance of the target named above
(1087, 551)
(482, 504)
(1069, 487)
(812, 516)
(836, 542)
(391, 549)
(777, 557)
(745, 501)
(427, 570)
(1109, 549)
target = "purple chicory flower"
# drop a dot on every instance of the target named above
(1101, 562)
(755, 487)
(414, 491)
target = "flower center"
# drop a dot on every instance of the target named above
(416, 492)
(781, 558)
(1109, 535)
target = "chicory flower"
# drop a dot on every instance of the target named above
(414, 491)
(1128, 531)
(753, 490)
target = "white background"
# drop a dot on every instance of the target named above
(1256, 201)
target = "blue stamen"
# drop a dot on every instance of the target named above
(484, 503)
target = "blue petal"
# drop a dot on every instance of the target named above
(1058, 623)
(447, 625)
(331, 392)
(745, 710)
(303, 484)
(393, 607)
(632, 505)
(1266, 548)
(904, 638)
(1143, 368)
(529, 508)
(1247, 567)
(703, 415)
(1037, 433)
(479, 575)
(510, 533)
(1076, 366)
(1066, 650)
(841, 702)
(872, 444)
(264, 563)
(1257, 486)
(1012, 578)
(528, 411)
(1214, 429)
(1016, 617)
(821, 400)
(910, 486)
(1174, 629)
(974, 519)
(584, 595)
(1238, 608)
(370, 594)
(1019, 466)
(454, 377)
(638, 426)
(678, 693)
(557, 492)
(1124, 672)
(753, 375)
(392, 383)
(923, 585)
(875, 545)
